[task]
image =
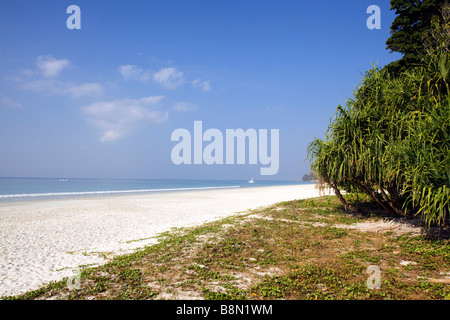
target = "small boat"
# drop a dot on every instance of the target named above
(64, 179)
(251, 181)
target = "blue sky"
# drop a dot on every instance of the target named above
(103, 101)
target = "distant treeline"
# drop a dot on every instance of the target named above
(309, 177)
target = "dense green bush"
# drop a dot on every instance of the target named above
(392, 141)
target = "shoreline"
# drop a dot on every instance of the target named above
(9, 199)
(105, 195)
(44, 240)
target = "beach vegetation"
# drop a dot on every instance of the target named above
(291, 250)
(391, 141)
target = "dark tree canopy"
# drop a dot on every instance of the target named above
(413, 20)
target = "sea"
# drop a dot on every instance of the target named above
(30, 189)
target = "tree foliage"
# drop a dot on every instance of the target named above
(438, 36)
(392, 139)
(414, 18)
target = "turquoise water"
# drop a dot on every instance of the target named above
(25, 189)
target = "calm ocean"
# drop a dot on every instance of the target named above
(26, 189)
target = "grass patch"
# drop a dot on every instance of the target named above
(292, 250)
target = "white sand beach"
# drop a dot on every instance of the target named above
(43, 241)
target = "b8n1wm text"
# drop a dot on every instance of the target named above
(245, 309)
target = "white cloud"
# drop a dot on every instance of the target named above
(43, 79)
(132, 72)
(274, 108)
(50, 66)
(184, 106)
(169, 78)
(204, 85)
(51, 87)
(44, 86)
(116, 118)
(27, 72)
(84, 89)
(9, 103)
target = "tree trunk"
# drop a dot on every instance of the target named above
(397, 211)
(347, 206)
(362, 186)
(392, 189)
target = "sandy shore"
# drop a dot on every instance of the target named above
(43, 241)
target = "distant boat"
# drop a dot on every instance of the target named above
(64, 179)
(251, 181)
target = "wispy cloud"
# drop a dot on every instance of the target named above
(116, 118)
(274, 109)
(9, 103)
(84, 89)
(204, 85)
(50, 67)
(184, 106)
(44, 80)
(169, 78)
(52, 87)
(133, 72)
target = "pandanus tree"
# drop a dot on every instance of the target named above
(392, 142)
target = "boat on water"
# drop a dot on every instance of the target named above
(251, 181)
